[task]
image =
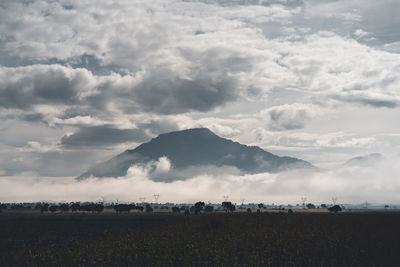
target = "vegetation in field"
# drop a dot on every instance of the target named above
(224, 239)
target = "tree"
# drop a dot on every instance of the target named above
(248, 210)
(198, 207)
(310, 206)
(208, 208)
(149, 208)
(17, 206)
(335, 209)
(44, 207)
(140, 208)
(92, 208)
(176, 210)
(97, 208)
(229, 207)
(119, 208)
(232, 208)
(64, 207)
(53, 208)
(75, 207)
(324, 206)
(260, 206)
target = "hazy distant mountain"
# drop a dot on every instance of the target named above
(194, 148)
(366, 160)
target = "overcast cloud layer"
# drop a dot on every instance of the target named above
(81, 81)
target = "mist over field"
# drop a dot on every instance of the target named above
(377, 183)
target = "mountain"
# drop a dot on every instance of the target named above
(366, 160)
(195, 148)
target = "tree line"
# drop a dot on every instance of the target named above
(198, 208)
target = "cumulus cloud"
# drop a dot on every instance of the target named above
(25, 86)
(167, 68)
(290, 117)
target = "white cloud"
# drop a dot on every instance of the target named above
(34, 146)
(393, 47)
(290, 117)
(376, 183)
(312, 141)
(360, 33)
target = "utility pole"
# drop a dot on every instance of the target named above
(156, 196)
(303, 200)
(242, 200)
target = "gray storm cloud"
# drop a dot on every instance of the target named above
(102, 136)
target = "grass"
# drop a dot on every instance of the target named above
(165, 239)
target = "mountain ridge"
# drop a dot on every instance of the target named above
(365, 160)
(196, 147)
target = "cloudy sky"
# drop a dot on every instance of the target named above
(81, 81)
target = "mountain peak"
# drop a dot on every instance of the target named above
(197, 147)
(191, 131)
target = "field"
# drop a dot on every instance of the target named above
(165, 239)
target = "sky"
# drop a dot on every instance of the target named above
(82, 81)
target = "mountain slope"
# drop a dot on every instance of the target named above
(366, 160)
(196, 147)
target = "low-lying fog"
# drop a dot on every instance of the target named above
(377, 183)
